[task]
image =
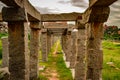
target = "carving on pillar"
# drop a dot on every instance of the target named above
(18, 42)
(18, 51)
(34, 50)
(44, 45)
(80, 66)
(48, 42)
(94, 50)
(74, 49)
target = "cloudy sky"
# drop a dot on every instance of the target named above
(60, 6)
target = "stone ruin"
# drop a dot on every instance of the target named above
(85, 58)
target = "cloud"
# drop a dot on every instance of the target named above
(79, 3)
(114, 17)
(46, 10)
(76, 3)
(64, 2)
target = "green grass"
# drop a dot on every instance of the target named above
(111, 52)
(63, 72)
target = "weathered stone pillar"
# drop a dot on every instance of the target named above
(18, 43)
(80, 67)
(52, 40)
(68, 47)
(74, 49)
(44, 45)
(63, 42)
(34, 50)
(48, 42)
(94, 50)
(94, 19)
(18, 51)
(5, 52)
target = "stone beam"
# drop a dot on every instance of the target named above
(93, 3)
(96, 14)
(56, 30)
(33, 14)
(13, 14)
(60, 17)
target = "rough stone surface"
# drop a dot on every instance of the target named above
(44, 46)
(18, 51)
(5, 52)
(74, 49)
(34, 52)
(60, 17)
(80, 67)
(68, 48)
(4, 73)
(96, 14)
(94, 50)
(48, 42)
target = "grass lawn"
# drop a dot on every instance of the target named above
(56, 62)
(111, 64)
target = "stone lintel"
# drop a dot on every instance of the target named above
(35, 25)
(44, 30)
(60, 17)
(96, 14)
(100, 2)
(33, 14)
(13, 14)
(80, 24)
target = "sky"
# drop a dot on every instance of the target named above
(60, 6)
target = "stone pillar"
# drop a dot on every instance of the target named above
(94, 50)
(67, 46)
(52, 40)
(74, 49)
(62, 41)
(80, 67)
(44, 45)
(34, 50)
(18, 42)
(5, 52)
(18, 51)
(48, 42)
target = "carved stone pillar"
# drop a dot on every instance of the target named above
(48, 42)
(80, 66)
(18, 43)
(68, 47)
(74, 49)
(94, 50)
(34, 50)
(44, 45)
